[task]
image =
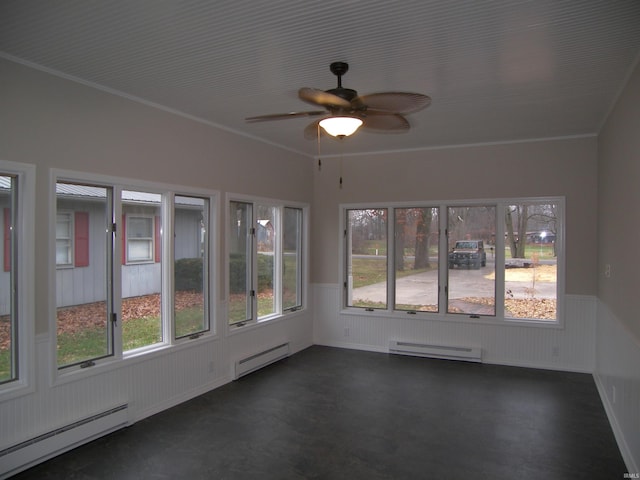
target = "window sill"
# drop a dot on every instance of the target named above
(270, 320)
(128, 359)
(453, 318)
(14, 390)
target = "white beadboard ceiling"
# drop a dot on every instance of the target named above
(501, 70)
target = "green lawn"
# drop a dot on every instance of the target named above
(367, 271)
(5, 366)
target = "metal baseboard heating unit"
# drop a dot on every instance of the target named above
(259, 360)
(43, 447)
(447, 352)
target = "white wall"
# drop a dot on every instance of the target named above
(618, 330)
(54, 123)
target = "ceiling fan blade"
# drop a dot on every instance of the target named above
(320, 97)
(394, 102)
(393, 123)
(284, 116)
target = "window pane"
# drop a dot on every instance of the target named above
(531, 267)
(266, 244)
(472, 287)
(416, 259)
(367, 258)
(191, 255)
(292, 259)
(8, 296)
(140, 227)
(82, 295)
(142, 282)
(240, 224)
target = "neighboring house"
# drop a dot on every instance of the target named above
(81, 239)
(264, 234)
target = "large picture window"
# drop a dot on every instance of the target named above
(265, 260)
(139, 275)
(499, 260)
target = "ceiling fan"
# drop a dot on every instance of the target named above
(345, 111)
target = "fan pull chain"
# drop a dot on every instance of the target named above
(340, 171)
(319, 159)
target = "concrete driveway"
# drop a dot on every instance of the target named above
(422, 288)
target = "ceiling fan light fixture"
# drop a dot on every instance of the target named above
(341, 126)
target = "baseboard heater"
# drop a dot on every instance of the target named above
(43, 447)
(261, 359)
(448, 352)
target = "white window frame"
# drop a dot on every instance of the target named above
(499, 317)
(24, 264)
(279, 312)
(169, 343)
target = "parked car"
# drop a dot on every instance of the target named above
(468, 253)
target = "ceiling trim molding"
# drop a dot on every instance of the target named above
(462, 145)
(616, 97)
(133, 98)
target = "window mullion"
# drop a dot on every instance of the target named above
(443, 259)
(114, 267)
(500, 260)
(253, 261)
(278, 259)
(167, 262)
(391, 260)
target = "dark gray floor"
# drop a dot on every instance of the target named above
(330, 413)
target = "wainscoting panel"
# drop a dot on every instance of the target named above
(147, 384)
(618, 379)
(568, 348)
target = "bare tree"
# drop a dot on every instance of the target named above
(516, 234)
(424, 216)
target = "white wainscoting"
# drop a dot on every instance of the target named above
(147, 384)
(571, 348)
(617, 375)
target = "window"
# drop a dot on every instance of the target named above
(292, 259)
(240, 261)
(191, 254)
(141, 270)
(130, 288)
(265, 261)
(9, 364)
(416, 259)
(84, 302)
(17, 193)
(499, 260)
(472, 284)
(531, 260)
(268, 259)
(366, 236)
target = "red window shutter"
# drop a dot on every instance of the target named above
(7, 239)
(81, 239)
(158, 239)
(124, 239)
